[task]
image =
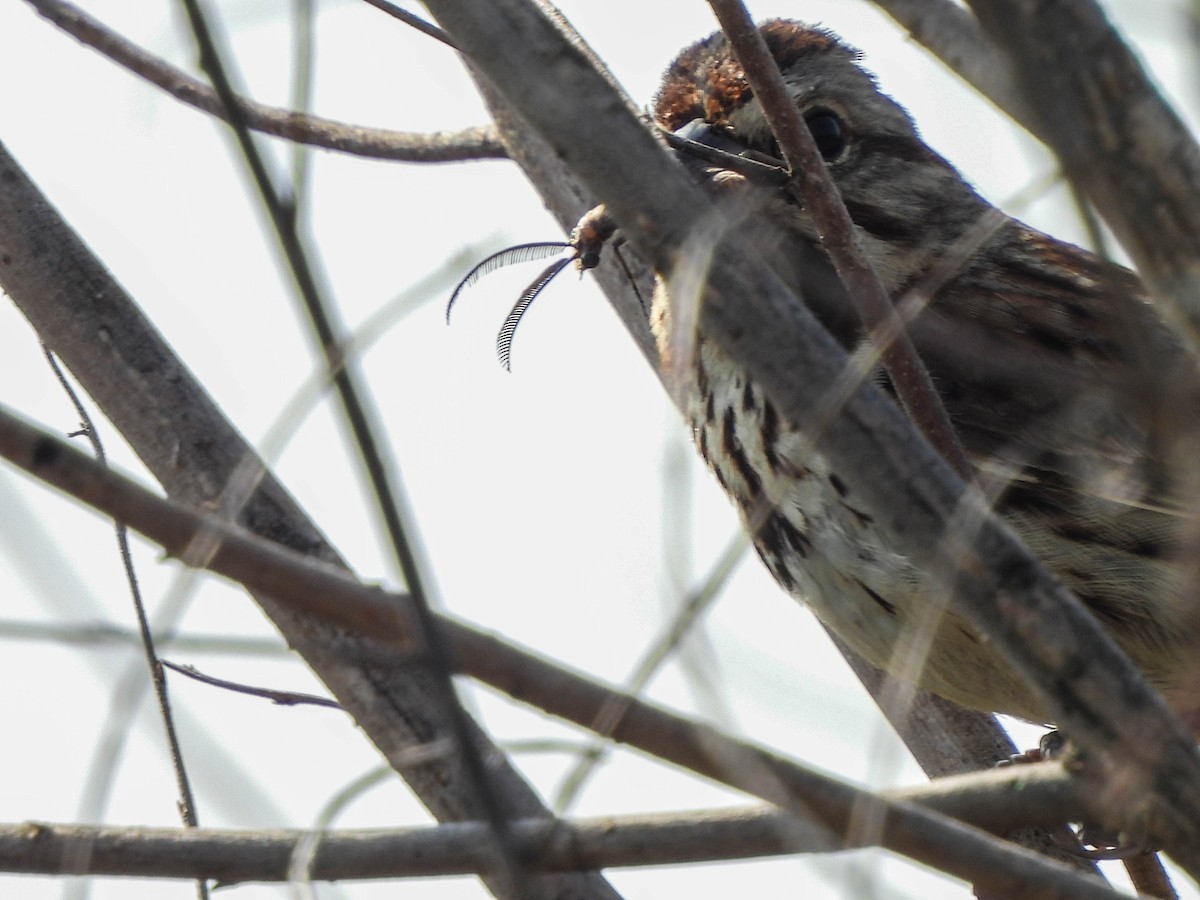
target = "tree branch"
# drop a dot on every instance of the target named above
(94, 327)
(318, 590)
(374, 143)
(385, 483)
(953, 35)
(814, 185)
(231, 856)
(1118, 140)
(412, 21)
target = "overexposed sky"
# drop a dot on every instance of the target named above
(558, 505)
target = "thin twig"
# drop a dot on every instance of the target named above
(1097, 239)
(413, 21)
(193, 451)
(104, 633)
(304, 852)
(304, 64)
(811, 180)
(376, 143)
(186, 803)
(384, 484)
(282, 698)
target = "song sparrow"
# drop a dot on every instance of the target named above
(1073, 400)
(1066, 389)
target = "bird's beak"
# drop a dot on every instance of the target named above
(700, 132)
(705, 149)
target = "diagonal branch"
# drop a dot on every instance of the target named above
(953, 35)
(326, 592)
(413, 21)
(375, 143)
(385, 483)
(94, 327)
(1062, 71)
(812, 182)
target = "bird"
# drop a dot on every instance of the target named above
(1073, 399)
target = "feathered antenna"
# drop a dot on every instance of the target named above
(509, 328)
(594, 230)
(507, 257)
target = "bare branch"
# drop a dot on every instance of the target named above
(375, 143)
(1117, 138)
(412, 21)
(103, 633)
(282, 698)
(385, 484)
(953, 35)
(325, 591)
(568, 201)
(230, 857)
(186, 802)
(174, 426)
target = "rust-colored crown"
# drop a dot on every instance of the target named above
(707, 82)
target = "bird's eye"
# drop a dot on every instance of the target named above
(828, 133)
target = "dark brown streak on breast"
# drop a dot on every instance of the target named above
(770, 434)
(889, 608)
(732, 447)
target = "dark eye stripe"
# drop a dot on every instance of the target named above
(882, 224)
(904, 148)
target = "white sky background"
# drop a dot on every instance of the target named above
(540, 495)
